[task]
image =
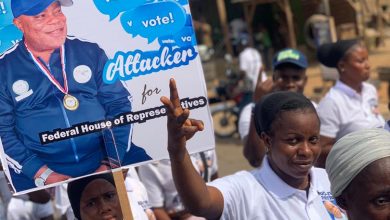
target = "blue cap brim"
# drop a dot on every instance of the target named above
(291, 61)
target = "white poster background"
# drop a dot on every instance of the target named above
(84, 21)
(151, 135)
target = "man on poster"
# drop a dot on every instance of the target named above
(50, 81)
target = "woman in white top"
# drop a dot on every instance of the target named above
(351, 104)
(286, 186)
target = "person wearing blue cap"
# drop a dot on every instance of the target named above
(53, 81)
(352, 103)
(289, 74)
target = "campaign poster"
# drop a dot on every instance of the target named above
(80, 86)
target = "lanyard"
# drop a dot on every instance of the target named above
(47, 72)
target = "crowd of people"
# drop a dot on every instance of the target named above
(311, 161)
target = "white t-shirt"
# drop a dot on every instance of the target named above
(138, 198)
(157, 178)
(343, 110)
(244, 121)
(5, 196)
(24, 209)
(261, 194)
(250, 62)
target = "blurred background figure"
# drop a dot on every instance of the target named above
(263, 43)
(162, 192)
(31, 206)
(352, 103)
(251, 66)
(204, 33)
(237, 27)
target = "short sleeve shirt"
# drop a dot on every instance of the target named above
(245, 120)
(158, 180)
(343, 110)
(250, 63)
(261, 194)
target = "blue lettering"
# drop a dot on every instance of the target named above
(125, 66)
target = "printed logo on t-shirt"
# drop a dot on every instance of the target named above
(22, 89)
(374, 106)
(82, 74)
(335, 212)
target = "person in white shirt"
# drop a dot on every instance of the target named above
(351, 104)
(23, 208)
(31, 206)
(285, 187)
(289, 74)
(251, 68)
(163, 196)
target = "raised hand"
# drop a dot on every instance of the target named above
(263, 88)
(180, 127)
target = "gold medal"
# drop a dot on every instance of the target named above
(70, 102)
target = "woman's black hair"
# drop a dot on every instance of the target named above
(76, 189)
(331, 54)
(268, 109)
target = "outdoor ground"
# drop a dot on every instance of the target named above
(229, 151)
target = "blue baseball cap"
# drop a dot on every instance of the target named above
(33, 7)
(290, 55)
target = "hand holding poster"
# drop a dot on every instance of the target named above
(72, 107)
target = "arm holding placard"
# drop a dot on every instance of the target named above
(201, 200)
(116, 100)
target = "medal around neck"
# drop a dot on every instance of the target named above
(70, 102)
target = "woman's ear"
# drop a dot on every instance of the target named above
(341, 66)
(266, 139)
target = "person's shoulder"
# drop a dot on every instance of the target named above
(247, 110)
(9, 52)
(250, 50)
(240, 181)
(320, 172)
(369, 88)
(329, 100)
(368, 85)
(80, 42)
(320, 176)
(320, 182)
(315, 104)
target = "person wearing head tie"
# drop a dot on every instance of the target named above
(53, 81)
(351, 104)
